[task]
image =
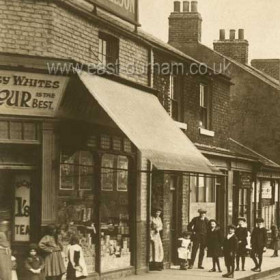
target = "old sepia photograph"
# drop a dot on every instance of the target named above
(139, 139)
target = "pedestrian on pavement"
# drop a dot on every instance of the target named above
(230, 247)
(241, 234)
(199, 227)
(214, 245)
(259, 243)
(34, 264)
(54, 264)
(184, 249)
(275, 240)
(5, 258)
(156, 248)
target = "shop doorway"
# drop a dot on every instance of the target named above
(19, 201)
(220, 203)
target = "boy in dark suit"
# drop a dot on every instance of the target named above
(259, 243)
(230, 247)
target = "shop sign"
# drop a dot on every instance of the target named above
(267, 191)
(30, 94)
(22, 211)
(209, 207)
(126, 9)
(245, 181)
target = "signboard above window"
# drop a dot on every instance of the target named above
(124, 9)
(30, 94)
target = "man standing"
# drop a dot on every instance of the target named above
(199, 227)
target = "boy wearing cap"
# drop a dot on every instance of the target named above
(230, 249)
(199, 227)
(258, 243)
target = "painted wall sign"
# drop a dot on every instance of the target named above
(126, 9)
(22, 210)
(245, 181)
(30, 93)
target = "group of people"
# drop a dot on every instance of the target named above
(203, 234)
(45, 260)
(234, 246)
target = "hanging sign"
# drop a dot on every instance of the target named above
(245, 181)
(125, 9)
(22, 210)
(266, 190)
(30, 93)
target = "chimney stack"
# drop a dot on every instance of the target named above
(232, 34)
(241, 34)
(184, 26)
(194, 6)
(186, 6)
(234, 48)
(177, 6)
(222, 34)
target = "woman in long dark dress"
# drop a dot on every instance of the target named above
(241, 234)
(54, 264)
(214, 245)
(274, 240)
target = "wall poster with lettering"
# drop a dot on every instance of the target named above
(22, 209)
(30, 93)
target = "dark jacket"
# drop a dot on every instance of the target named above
(259, 238)
(198, 226)
(214, 242)
(230, 246)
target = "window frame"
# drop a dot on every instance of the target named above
(174, 98)
(204, 106)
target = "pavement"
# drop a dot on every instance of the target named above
(271, 266)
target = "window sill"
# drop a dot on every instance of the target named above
(181, 125)
(206, 132)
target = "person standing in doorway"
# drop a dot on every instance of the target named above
(259, 243)
(156, 248)
(54, 264)
(241, 234)
(199, 227)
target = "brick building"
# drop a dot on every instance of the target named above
(78, 94)
(252, 111)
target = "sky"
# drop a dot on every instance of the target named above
(259, 18)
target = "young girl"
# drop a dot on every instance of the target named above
(76, 266)
(184, 250)
(54, 264)
(214, 245)
(34, 264)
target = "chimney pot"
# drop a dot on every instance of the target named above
(222, 34)
(232, 34)
(194, 6)
(186, 6)
(241, 34)
(177, 6)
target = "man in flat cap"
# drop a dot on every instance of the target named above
(199, 227)
(259, 243)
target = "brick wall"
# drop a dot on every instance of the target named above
(40, 28)
(268, 66)
(235, 49)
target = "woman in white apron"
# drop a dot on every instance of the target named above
(156, 248)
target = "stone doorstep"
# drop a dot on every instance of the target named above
(261, 275)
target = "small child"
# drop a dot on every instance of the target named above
(76, 266)
(184, 250)
(14, 268)
(34, 264)
(230, 247)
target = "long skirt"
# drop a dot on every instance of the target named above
(54, 265)
(156, 249)
(5, 264)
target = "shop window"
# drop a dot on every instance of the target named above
(127, 146)
(117, 144)
(77, 212)
(76, 171)
(114, 213)
(108, 51)
(105, 142)
(202, 189)
(18, 131)
(204, 120)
